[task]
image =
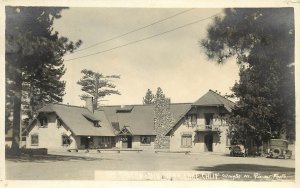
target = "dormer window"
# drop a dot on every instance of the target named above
(92, 119)
(44, 122)
(97, 124)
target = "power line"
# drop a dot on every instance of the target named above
(140, 40)
(132, 31)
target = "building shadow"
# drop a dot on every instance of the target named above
(48, 158)
(245, 168)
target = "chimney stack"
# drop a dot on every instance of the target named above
(89, 104)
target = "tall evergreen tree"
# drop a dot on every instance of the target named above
(37, 92)
(262, 40)
(149, 97)
(33, 57)
(97, 85)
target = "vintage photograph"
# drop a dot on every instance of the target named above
(107, 93)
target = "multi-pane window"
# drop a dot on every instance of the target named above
(145, 139)
(34, 139)
(66, 140)
(186, 140)
(105, 139)
(191, 120)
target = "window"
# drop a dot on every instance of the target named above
(145, 139)
(96, 124)
(208, 119)
(194, 119)
(186, 140)
(43, 122)
(34, 139)
(66, 140)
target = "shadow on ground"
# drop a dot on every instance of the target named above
(245, 168)
(48, 158)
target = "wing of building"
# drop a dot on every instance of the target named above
(198, 127)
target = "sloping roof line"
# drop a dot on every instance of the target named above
(125, 128)
(140, 118)
(73, 118)
(212, 98)
(178, 119)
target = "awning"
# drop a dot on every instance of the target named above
(206, 130)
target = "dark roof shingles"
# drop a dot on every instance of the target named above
(141, 118)
(73, 118)
(212, 98)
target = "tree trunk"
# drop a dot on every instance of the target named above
(15, 147)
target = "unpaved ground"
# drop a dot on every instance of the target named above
(73, 166)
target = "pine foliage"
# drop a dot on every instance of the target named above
(97, 85)
(262, 41)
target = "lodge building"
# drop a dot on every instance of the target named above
(198, 127)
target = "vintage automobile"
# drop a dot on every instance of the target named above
(238, 151)
(279, 149)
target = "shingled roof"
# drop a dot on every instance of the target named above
(75, 118)
(140, 119)
(212, 98)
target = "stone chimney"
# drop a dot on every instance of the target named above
(89, 104)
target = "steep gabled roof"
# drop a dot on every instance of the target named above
(212, 98)
(75, 118)
(140, 120)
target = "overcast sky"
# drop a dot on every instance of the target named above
(174, 61)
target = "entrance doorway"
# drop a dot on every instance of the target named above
(126, 141)
(208, 142)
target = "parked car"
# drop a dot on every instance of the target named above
(238, 151)
(279, 149)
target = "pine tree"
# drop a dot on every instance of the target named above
(33, 54)
(263, 42)
(37, 92)
(97, 85)
(149, 97)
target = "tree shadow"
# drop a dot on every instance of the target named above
(245, 168)
(49, 158)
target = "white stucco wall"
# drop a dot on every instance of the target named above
(198, 144)
(51, 136)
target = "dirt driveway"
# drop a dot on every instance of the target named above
(73, 166)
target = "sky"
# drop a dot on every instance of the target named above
(173, 61)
